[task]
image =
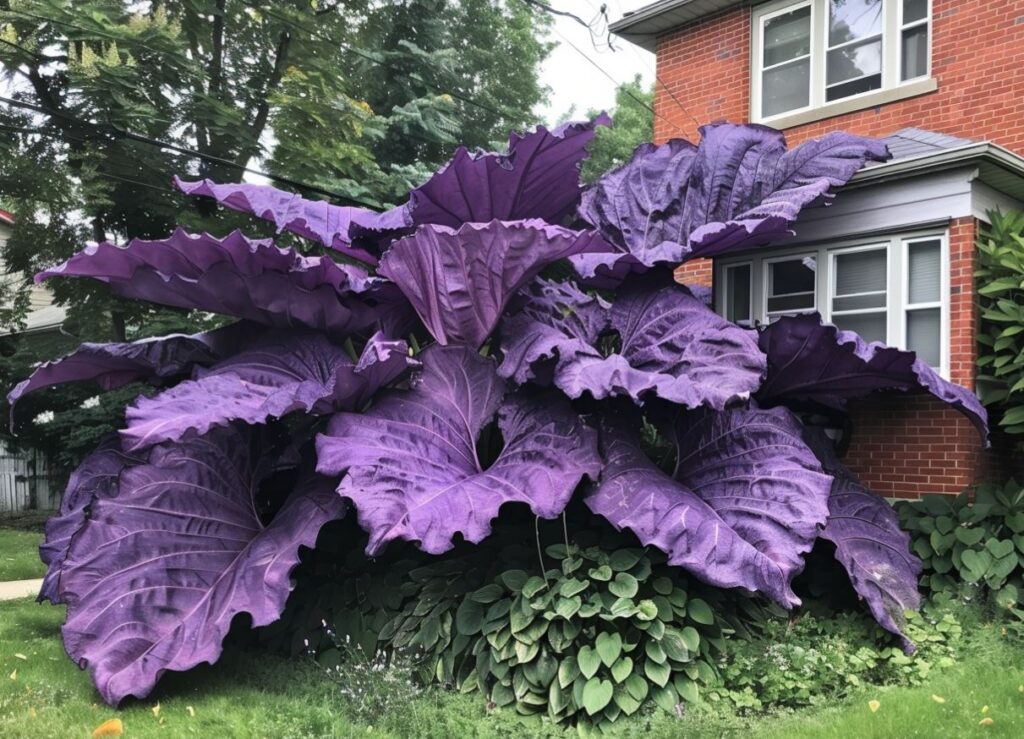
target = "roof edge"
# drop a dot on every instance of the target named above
(934, 161)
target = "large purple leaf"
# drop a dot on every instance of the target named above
(672, 346)
(738, 189)
(237, 276)
(285, 372)
(162, 567)
(411, 461)
(664, 513)
(558, 322)
(96, 477)
(538, 177)
(813, 362)
(460, 281)
(115, 365)
(754, 470)
(317, 220)
(870, 545)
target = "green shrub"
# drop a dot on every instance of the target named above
(1001, 291)
(972, 549)
(813, 659)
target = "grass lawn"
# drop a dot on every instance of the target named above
(19, 555)
(254, 695)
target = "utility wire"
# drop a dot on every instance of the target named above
(115, 132)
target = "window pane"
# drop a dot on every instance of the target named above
(791, 276)
(859, 302)
(925, 267)
(850, 19)
(914, 10)
(851, 62)
(870, 326)
(854, 87)
(791, 304)
(915, 53)
(787, 36)
(785, 88)
(860, 272)
(737, 293)
(924, 335)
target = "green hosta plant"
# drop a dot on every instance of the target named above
(1001, 289)
(972, 548)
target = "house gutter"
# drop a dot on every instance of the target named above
(946, 159)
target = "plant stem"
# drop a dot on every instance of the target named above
(540, 555)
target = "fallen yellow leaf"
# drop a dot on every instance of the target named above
(14, 675)
(191, 711)
(984, 709)
(110, 727)
(938, 699)
(20, 656)
(874, 706)
(32, 712)
(156, 709)
(986, 721)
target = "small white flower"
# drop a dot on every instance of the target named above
(92, 402)
(43, 418)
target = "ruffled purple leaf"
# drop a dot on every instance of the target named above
(237, 276)
(411, 465)
(538, 177)
(558, 321)
(754, 470)
(96, 477)
(672, 347)
(316, 220)
(162, 567)
(738, 189)
(460, 281)
(664, 513)
(816, 363)
(115, 365)
(871, 546)
(285, 372)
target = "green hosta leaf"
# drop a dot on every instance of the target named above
(573, 587)
(700, 612)
(665, 612)
(558, 698)
(519, 620)
(976, 564)
(999, 548)
(625, 701)
(571, 564)
(533, 586)
(655, 629)
(662, 585)
(941, 543)
(677, 598)
(1002, 568)
(1007, 596)
(589, 661)
(488, 593)
(970, 536)
(597, 694)
(944, 524)
(623, 559)
(646, 610)
(942, 565)
(624, 585)
(1018, 539)
(469, 618)
(621, 608)
(514, 580)
(622, 669)
(557, 551)
(568, 607)
(687, 690)
(657, 673)
(498, 610)
(545, 667)
(637, 687)
(526, 652)
(602, 573)
(502, 695)
(591, 608)
(654, 651)
(691, 639)
(1016, 522)
(568, 671)
(666, 698)
(609, 647)
(674, 645)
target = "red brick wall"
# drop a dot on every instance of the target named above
(977, 61)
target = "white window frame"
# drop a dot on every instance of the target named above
(832, 277)
(897, 281)
(727, 298)
(765, 276)
(892, 88)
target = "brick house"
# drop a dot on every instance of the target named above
(893, 258)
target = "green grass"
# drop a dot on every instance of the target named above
(19, 555)
(255, 695)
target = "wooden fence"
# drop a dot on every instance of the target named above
(25, 483)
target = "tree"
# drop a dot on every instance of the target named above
(357, 98)
(633, 124)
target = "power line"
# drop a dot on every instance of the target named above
(116, 132)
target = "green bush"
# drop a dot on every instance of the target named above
(1001, 290)
(813, 659)
(972, 546)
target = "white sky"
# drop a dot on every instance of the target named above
(576, 82)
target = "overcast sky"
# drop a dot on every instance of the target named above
(576, 82)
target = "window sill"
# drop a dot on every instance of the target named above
(862, 102)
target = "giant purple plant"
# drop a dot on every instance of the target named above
(472, 306)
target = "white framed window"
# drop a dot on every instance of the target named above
(893, 289)
(810, 54)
